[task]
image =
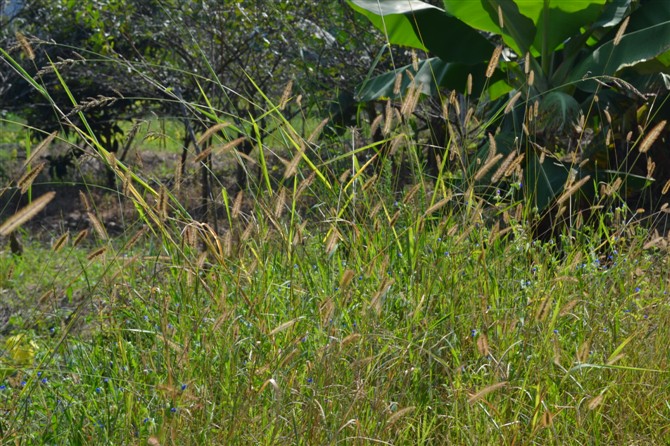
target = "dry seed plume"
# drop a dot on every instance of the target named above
(651, 138)
(317, 131)
(27, 179)
(99, 228)
(286, 95)
(39, 149)
(26, 213)
(25, 46)
(621, 31)
(493, 63)
(485, 391)
(62, 240)
(211, 131)
(510, 104)
(571, 190)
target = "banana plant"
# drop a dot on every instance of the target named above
(574, 49)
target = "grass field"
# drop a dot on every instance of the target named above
(361, 319)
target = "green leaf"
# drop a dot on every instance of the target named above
(518, 30)
(557, 112)
(422, 26)
(634, 48)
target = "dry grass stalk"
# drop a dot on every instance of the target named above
(515, 167)
(620, 32)
(410, 100)
(90, 103)
(544, 309)
(286, 95)
(346, 279)
(27, 179)
(453, 101)
(493, 63)
(237, 204)
(567, 308)
(84, 201)
(501, 19)
(612, 188)
(39, 149)
(62, 240)
(81, 235)
(526, 64)
(211, 131)
(248, 231)
(504, 166)
(135, 238)
(666, 187)
(572, 189)
(651, 166)
(317, 131)
(510, 105)
(228, 243)
(651, 138)
(279, 203)
(395, 144)
(398, 415)
(608, 117)
(99, 228)
(376, 123)
(292, 166)
(485, 391)
(26, 213)
(96, 253)
(388, 118)
(397, 83)
(162, 203)
(376, 302)
(177, 177)
(595, 402)
(304, 184)
(203, 155)
(25, 45)
(411, 193)
(189, 236)
(415, 60)
(483, 345)
(584, 351)
(488, 166)
(493, 147)
(332, 241)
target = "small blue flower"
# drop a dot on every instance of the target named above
(555, 331)
(146, 420)
(3, 387)
(183, 387)
(23, 383)
(44, 380)
(98, 390)
(105, 380)
(310, 380)
(173, 409)
(473, 332)
(637, 289)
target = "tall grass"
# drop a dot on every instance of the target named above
(332, 307)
